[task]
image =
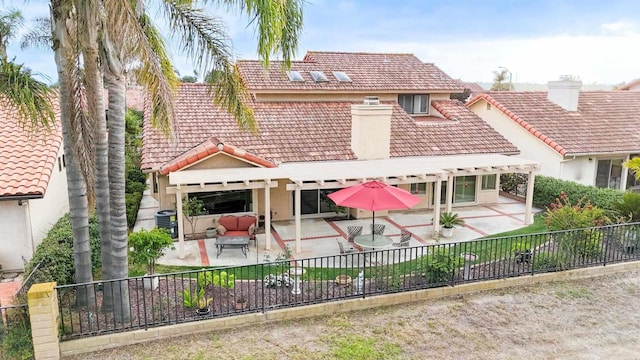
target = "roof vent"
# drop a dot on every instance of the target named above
(371, 100)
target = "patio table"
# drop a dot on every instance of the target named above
(232, 241)
(372, 241)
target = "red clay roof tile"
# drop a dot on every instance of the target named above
(310, 131)
(606, 121)
(368, 72)
(26, 159)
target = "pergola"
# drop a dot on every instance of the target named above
(340, 174)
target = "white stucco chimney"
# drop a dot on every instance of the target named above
(565, 92)
(371, 129)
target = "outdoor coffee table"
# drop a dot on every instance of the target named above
(241, 242)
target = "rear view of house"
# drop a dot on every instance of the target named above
(33, 188)
(333, 120)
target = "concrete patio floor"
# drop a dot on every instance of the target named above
(319, 235)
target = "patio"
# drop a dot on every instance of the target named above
(319, 235)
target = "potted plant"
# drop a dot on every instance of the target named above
(192, 207)
(449, 220)
(198, 301)
(241, 302)
(145, 248)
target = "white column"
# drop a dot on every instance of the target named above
(436, 207)
(449, 201)
(529, 200)
(179, 219)
(297, 213)
(624, 175)
(267, 214)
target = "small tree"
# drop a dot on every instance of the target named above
(191, 209)
(146, 247)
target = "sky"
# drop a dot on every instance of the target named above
(537, 41)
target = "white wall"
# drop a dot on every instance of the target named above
(530, 146)
(580, 170)
(14, 235)
(45, 212)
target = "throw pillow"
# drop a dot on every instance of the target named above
(221, 229)
(252, 229)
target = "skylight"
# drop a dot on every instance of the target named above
(318, 76)
(295, 76)
(342, 76)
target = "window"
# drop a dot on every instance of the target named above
(341, 76)
(420, 188)
(318, 76)
(223, 202)
(632, 182)
(489, 182)
(295, 76)
(609, 173)
(414, 104)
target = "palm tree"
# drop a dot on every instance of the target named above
(499, 81)
(120, 22)
(10, 21)
(74, 120)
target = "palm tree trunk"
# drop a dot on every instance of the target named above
(76, 185)
(119, 265)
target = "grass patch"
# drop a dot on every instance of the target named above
(579, 293)
(538, 226)
(355, 347)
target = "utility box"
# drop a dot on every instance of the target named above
(167, 219)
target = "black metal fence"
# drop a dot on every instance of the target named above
(98, 308)
(17, 314)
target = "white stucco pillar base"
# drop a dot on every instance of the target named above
(528, 216)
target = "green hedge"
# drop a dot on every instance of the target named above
(136, 180)
(547, 189)
(55, 253)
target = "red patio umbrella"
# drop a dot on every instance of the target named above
(374, 195)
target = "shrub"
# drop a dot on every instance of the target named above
(55, 252)
(562, 215)
(545, 262)
(148, 246)
(439, 266)
(16, 340)
(627, 208)
(547, 189)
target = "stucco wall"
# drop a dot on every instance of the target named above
(46, 211)
(14, 235)
(530, 147)
(22, 227)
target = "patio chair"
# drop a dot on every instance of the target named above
(354, 231)
(345, 250)
(377, 229)
(405, 238)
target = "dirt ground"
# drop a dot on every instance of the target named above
(588, 319)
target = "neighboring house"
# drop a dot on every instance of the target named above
(582, 136)
(333, 120)
(33, 188)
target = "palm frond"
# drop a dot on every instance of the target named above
(146, 51)
(39, 35)
(30, 97)
(278, 25)
(204, 39)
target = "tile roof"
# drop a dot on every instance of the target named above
(606, 121)
(368, 72)
(27, 160)
(207, 148)
(314, 131)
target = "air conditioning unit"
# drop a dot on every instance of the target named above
(371, 100)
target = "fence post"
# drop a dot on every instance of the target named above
(43, 315)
